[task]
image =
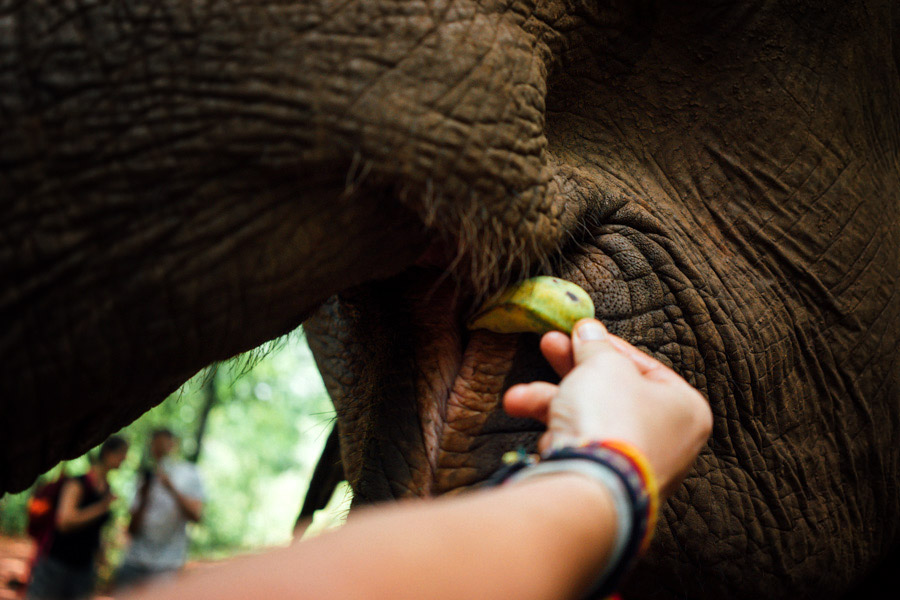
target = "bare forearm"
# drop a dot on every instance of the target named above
(80, 517)
(531, 540)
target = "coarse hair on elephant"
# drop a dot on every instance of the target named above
(182, 181)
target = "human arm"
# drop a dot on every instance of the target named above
(139, 507)
(435, 549)
(190, 507)
(546, 537)
(69, 517)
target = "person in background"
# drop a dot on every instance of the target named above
(169, 496)
(622, 432)
(65, 567)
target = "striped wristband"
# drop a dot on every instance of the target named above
(611, 480)
(630, 480)
(634, 472)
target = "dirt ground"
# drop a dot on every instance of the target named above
(14, 556)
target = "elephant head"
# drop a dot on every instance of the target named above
(181, 181)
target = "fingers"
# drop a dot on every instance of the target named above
(590, 339)
(557, 349)
(646, 364)
(531, 400)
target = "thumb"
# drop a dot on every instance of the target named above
(590, 338)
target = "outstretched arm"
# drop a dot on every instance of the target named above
(544, 537)
(527, 540)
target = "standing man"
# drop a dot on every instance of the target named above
(168, 497)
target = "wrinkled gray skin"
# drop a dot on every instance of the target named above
(181, 181)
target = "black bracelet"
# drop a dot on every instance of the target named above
(632, 471)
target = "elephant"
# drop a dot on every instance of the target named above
(182, 181)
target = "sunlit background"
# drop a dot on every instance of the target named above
(255, 426)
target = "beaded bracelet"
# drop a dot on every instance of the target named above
(636, 498)
(650, 487)
(634, 471)
(621, 497)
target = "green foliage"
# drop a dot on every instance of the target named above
(267, 425)
(12, 513)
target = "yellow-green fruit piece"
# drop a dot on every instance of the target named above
(537, 305)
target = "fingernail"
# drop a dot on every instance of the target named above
(590, 330)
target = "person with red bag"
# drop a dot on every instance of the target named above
(68, 543)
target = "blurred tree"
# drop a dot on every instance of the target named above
(210, 397)
(255, 425)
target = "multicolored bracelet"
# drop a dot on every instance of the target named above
(628, 476)
(637, 475)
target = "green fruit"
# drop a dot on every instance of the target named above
(537, 305)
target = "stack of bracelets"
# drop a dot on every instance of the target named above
(625, 472)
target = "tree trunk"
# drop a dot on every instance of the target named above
(210, 397)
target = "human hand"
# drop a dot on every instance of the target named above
(164, 480)
(612, 391)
